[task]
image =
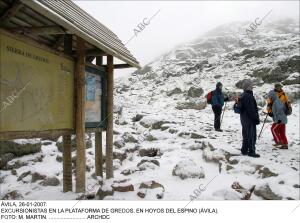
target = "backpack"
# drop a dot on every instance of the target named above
(237, 106)
(289, 109)
(209, 97)
(284, 100)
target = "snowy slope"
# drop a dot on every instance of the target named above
(164, 131)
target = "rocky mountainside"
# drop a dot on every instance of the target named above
(164, 143)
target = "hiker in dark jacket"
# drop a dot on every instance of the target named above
(249, 120)
(217, 103)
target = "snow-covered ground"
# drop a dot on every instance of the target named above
(164, 130)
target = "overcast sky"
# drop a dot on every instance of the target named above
(176, 22)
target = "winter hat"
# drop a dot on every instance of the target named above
(278, 86)
(247, 84)
(219, 84)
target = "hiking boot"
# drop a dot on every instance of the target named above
(219, 130)
(277, 144)
(284, 147)
(254, 155)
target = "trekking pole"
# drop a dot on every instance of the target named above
(223, 113)
(263, 126)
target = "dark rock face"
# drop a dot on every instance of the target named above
(142, 71)
(19, 149)
(290, 65)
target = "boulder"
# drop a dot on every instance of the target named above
(23, 175)
(150, 137)
(142, 193)
(266, 172)
(5, 158)
(128, 138)
(191, 105)
(150, 185)
(59, 158)
(155, 162)
(258, 53)
(20, 147)
(197, 136)
(149, 152)
(119, 143)
(275, 75)
(104, 191)
(120, 155)
(15, 165)
(37, 176)
(214, 155)
(194, 92)
(50, 181)
(266, 192)
(88, 143)
(122, 186)
(240, 84)
(127, 172)
(188, 169)
(292, 79)
(13, 195)
(137, 118)
(174, 91)
(147, 165)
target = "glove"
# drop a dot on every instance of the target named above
(279, 121)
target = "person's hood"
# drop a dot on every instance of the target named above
(272, 95)
(218, 85)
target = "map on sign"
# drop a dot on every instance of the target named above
(93, 97)
(36, 88)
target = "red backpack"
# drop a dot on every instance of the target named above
(209, 97)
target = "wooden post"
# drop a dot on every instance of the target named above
(80, 116)
(98, 140)
(67, 163)
(67, 146)
(98, 154)
(110, 118)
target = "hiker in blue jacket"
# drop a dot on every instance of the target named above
(217, 103)
(249, 120)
